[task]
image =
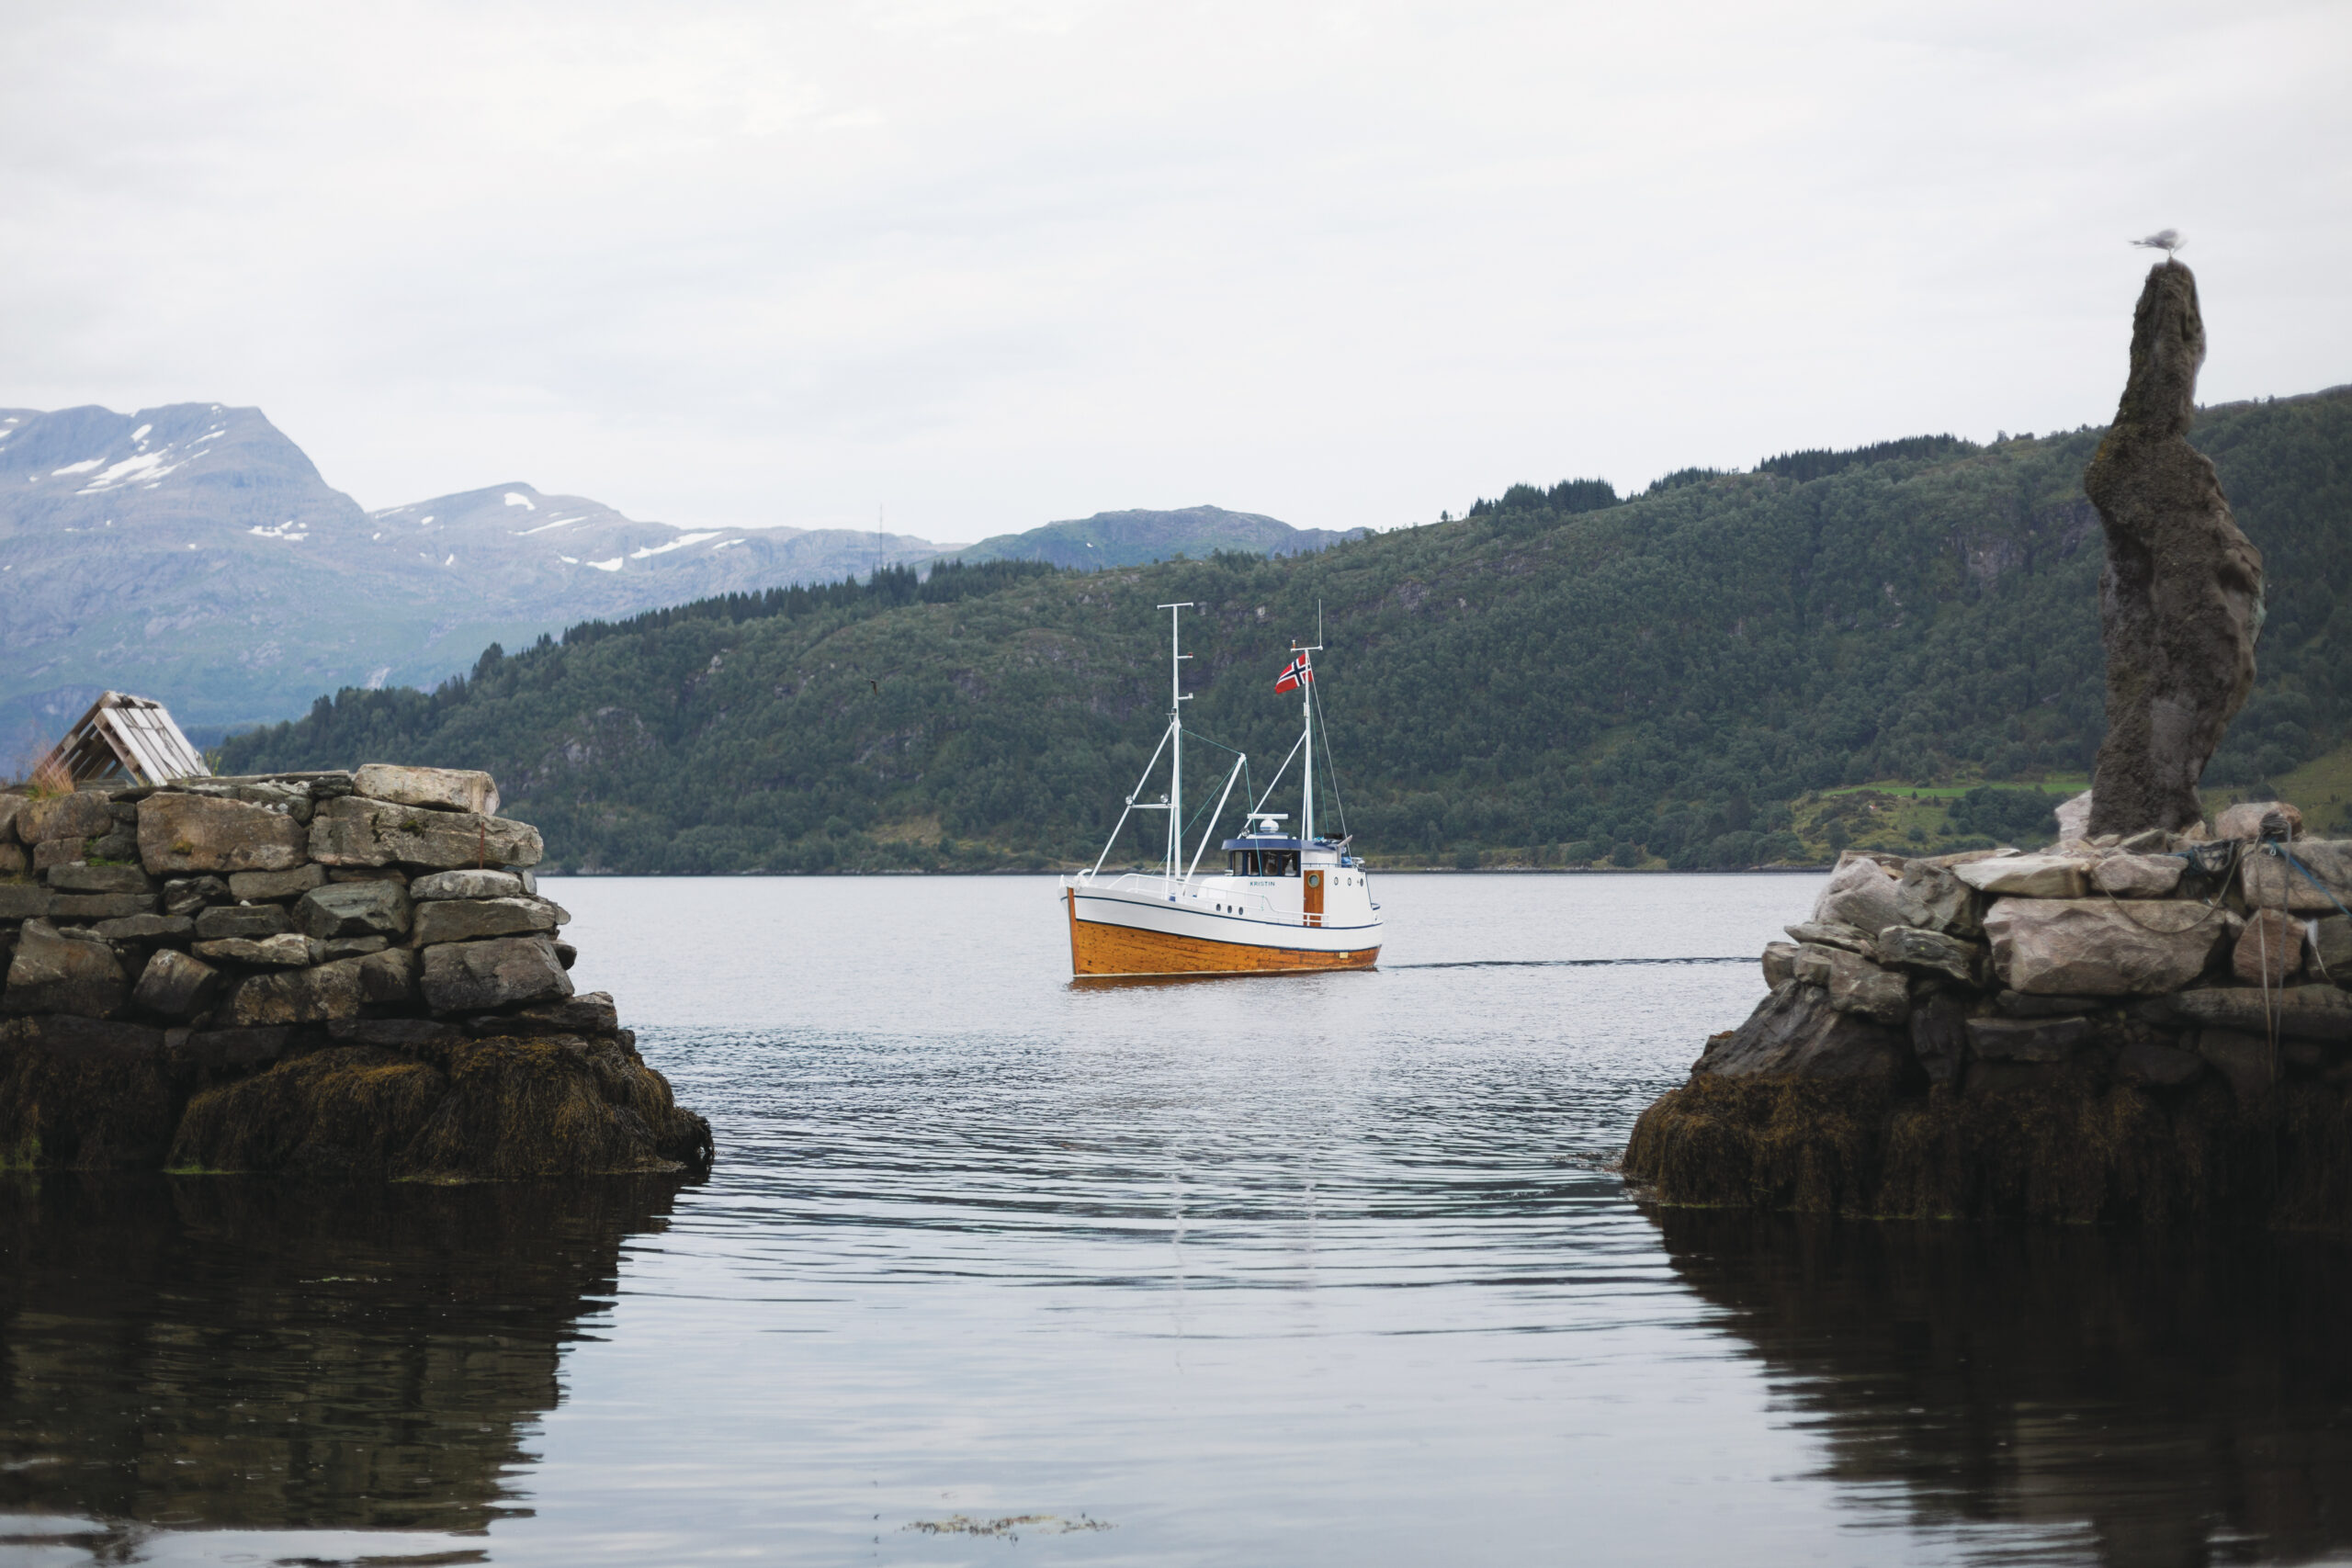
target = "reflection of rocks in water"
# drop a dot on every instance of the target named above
(2174, 1400)
(223, 1352)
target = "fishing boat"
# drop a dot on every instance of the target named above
(1281, 903)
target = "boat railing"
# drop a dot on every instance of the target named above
(1133, 882)
(1255, 906)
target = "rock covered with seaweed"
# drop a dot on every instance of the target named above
(330, 973)
(2144, 1030)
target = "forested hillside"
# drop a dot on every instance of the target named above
(1560, 676)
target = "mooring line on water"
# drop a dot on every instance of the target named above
(1556, 963)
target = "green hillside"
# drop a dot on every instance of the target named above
(1139, 538)
(1696, 676)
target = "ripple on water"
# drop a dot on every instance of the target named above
(1316, 1269)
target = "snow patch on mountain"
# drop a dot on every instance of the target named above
(679, 543)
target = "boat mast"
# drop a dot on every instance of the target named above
(1176, 657)
(1307, 739)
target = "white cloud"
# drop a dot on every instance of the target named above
(992, 264)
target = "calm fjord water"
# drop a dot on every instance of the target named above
(1322, 1269)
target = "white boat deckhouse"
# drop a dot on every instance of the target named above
(1280, 903)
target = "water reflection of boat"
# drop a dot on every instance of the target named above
(1280, 904)
(2175, 1399)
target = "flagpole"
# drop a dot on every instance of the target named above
(1306, 711)
(1304, 663)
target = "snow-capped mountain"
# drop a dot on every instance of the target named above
(562, 537)
(194, 553)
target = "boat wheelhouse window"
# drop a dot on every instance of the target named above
(1243, 862)
(1281, 862)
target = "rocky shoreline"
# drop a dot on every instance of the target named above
(347, 973)
(2146, 1030)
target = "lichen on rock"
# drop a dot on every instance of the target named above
(2181, 601)
(2108, 1060)
(299, 978)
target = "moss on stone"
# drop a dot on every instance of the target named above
(348, 1110)
(488, 1111)
(65, 1109)
(2058, 1145)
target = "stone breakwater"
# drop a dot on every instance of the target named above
(334, 973)
(2148, 1030)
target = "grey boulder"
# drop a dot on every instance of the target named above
(2094, 947)
(592, 1014)
(80, 878)
(388, 978)
(23, 901)
(2138, 876)
(147, 928)
(1860, 894)
(1794, 1033)
(100, 906)
(466, 885)
(2302, 1012)
(2026, 876)
(1932, 898)
(186, 895)
(194, 832)
(1858, 985)
(354, 831)
(260, 885)
(473, 976)
(470, 920)
(301, 995)
(81, 814)
(1810, 965)
(54, 973)
(1909, 947)
(2319, 879)
(353, 909)
(2247, 819)
(175, 985)
(2331, 948)
(1830, 933)
(449, 789)
(252, 921)
(289, 951)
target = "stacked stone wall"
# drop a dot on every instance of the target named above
(344, 972)
(2148, 1030)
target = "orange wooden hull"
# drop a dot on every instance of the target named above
(1099, 949)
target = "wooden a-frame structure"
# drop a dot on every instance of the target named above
(125, 737)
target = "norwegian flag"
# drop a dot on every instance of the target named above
(1297, 673)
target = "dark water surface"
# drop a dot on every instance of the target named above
(1253, 1271)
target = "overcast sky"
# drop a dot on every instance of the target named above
(987, 263)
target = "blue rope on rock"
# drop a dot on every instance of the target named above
(2325, 891)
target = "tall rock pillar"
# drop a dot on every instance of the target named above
(2180, 601)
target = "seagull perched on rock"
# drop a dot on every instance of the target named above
(2165, 240)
